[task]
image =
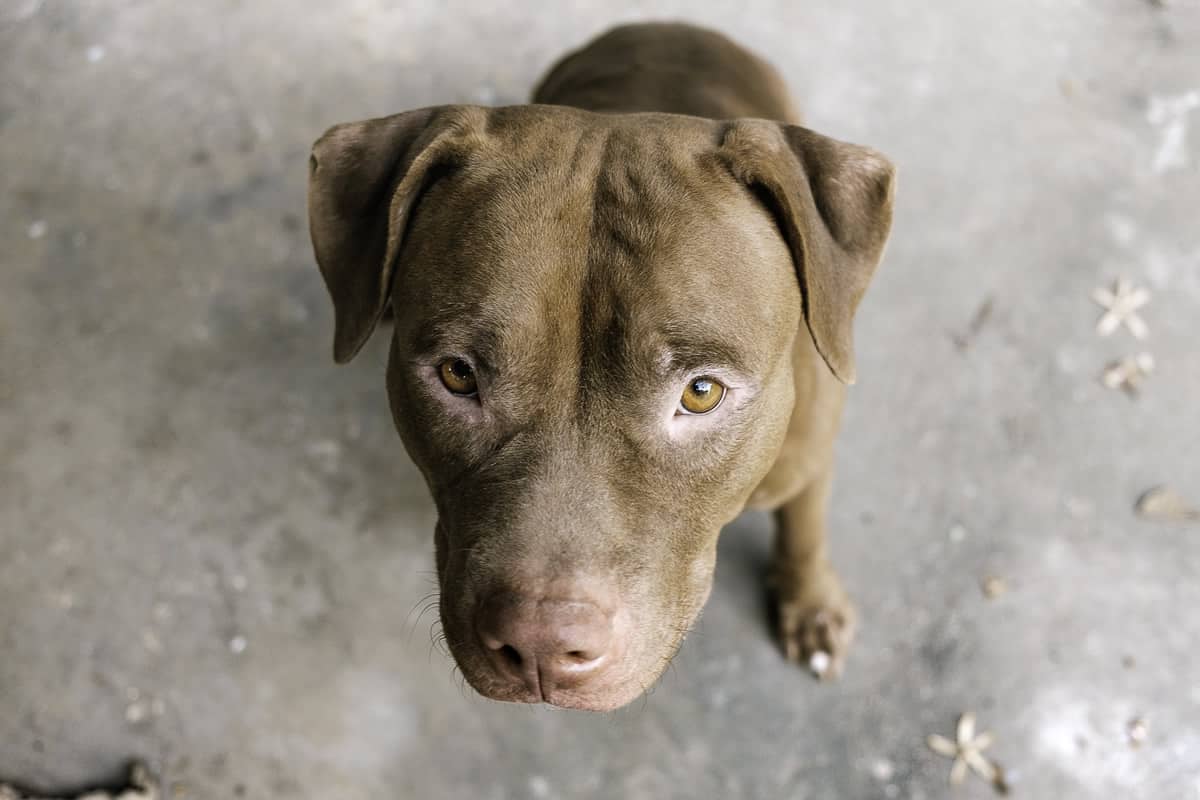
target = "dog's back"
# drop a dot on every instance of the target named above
(668, 67)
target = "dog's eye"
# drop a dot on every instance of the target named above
(702, 395)
(457, 376)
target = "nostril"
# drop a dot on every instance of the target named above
(511, 655)
(544, 642)
(579, 661)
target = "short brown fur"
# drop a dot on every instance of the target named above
(656, 214)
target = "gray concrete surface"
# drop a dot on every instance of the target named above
(213, 551)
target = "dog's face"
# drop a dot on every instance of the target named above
(591, 362)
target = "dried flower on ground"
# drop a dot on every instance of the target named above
(1128, 373)
(967, 752)
(1120, 304)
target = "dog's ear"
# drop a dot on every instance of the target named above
(363, 180)
(833, 203)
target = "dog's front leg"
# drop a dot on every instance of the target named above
(815, 618)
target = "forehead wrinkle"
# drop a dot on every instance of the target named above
(644, 188)
(647, 205)
(514, 260)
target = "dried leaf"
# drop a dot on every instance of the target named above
(1164, 504)
(143, 786)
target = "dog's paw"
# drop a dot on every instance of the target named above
(816, 624)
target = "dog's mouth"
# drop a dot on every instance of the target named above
(590, 639)
(604, 699)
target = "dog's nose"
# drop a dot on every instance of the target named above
(543, 643)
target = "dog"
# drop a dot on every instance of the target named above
(622, 314)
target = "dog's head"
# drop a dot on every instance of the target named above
(591, 356)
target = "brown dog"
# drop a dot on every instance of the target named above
(622, 316)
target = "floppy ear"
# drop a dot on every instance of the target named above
(833, 203)
(363, 180)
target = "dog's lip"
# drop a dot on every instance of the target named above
(589, 701)
(562, 699)
(608, 697)
(553, 698)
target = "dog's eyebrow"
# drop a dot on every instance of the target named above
(692, 354)
(457, 338)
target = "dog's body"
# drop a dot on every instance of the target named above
(601, 355)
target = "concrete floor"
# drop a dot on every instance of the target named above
(215, 550)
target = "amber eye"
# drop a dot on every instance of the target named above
(702, 395)
(457, 376)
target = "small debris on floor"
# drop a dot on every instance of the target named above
(1120, 304)
(1137, 732)
(1128, 373)
(1080, 508)
(136, 712)
(993, 586)
(142, 786)
(151, 642)
(883, 770)
(967, 752)
(1164, 504)
(963, 340)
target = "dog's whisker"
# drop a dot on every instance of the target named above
(645, 696)
(430, 600)
(433, 604)
(437, 640)
(424, 601)
(441, 643)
